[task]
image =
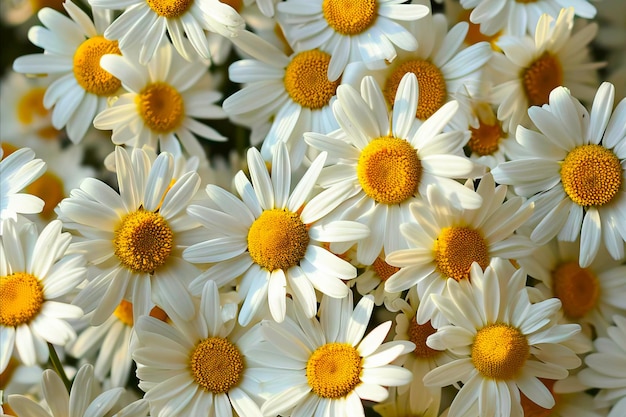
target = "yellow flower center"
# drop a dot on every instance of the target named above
(21, 298)
(383, 269)
(161, 106)
(235, 4)
(334, 370)
(50, 189)
(531, 409)
(576, 287)
(418, 333)
(216, 364)
(143, 241)
(306, 80)
(349, 17)
(485, 139)
(432, 86)
(124, 312)
(170, 8)
(541, 77)
(456, 248)
(591, 175)
(499, 351)
(87, 70)
(389, 170)
(30, 105)
(277, 239)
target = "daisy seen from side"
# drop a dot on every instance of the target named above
(572, 168)
(134, 239)
(383, 162)
(273, 238)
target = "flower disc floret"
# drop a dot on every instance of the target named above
(124, 313)
(418, 333)
(577, 288)
(170, 8)
(349, 17)
(306, 80)
(30, 105)
(216, 364)
(50, 189)
(485, 139)
(334, 370)
(161, 106)
(500, 351)
(21, 299)
(541, 77)
(456, 248)
(383, 269)
(87, 70)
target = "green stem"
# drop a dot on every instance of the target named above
(58, 367)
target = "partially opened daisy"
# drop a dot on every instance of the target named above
(383, 162)
(200, 366)
(134, 239)
(273, 238)
(504, 342)
(36, 273)
(164, 100)
(365, 31)
(325, 367)
(445, 241)
(146, 24)
(532, 66)
(17, 171)
(84, 400)
(72, 50)
(572, 166)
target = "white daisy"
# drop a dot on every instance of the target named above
(504, 342)
(273, 238)
(201, 366)
(326, 368)
(531, 67)
(17, 171)
(72, 50)
(371, 280)
(446, 241)
(606, 368)
(84, 400)
(293, 92)
(165, 98)
(383, 162)
(573, 168)
(135, 238)
(366, 31)
(577, 404)
(146, 24)
(36, 272)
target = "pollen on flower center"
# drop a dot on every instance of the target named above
(124, 312)
(499, 351)
(306, 79)
(216, 365)
(432, 86)
(456, 248)
(21, 299)
(591, 175)
(277, 239)
(334, 370)
(383, 269)
(143, 241)
(576, 287)
(418, 333)
(30, 105)
(170, 8)
(161, 106)
(50, 189)
(87, 70)
(485, 139)
(541, 77)
(389, 170)
(349, 17)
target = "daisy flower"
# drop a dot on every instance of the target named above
(326, 368)
(504, 343)
(293, 92)
(147, 24)
(520, 17)
(606, 368)
(134, 239)
(446, 241)
(372, 281)
(572, 166)
(72, 50)
(164, 99)
(366, 31)
(531, 67)
(36, 272)
(273, 238)
(17, 171)
(578, 404)
(383, 162)
(200, 366)
(82, 401)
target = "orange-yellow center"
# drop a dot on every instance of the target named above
(577, 288)
(306, 79)
(30, 106)
(124, 313)
(216, 365)
(418, 333)
(87, 70)
(499, 351)
(334, 370)
(161, 106)
(349, 17)
(531, 409)
(170, 8)
(456, 248)
(541, 77)
(383, 269)
(21, 299)
(50, 189)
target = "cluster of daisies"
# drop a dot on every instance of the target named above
(314, 208)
